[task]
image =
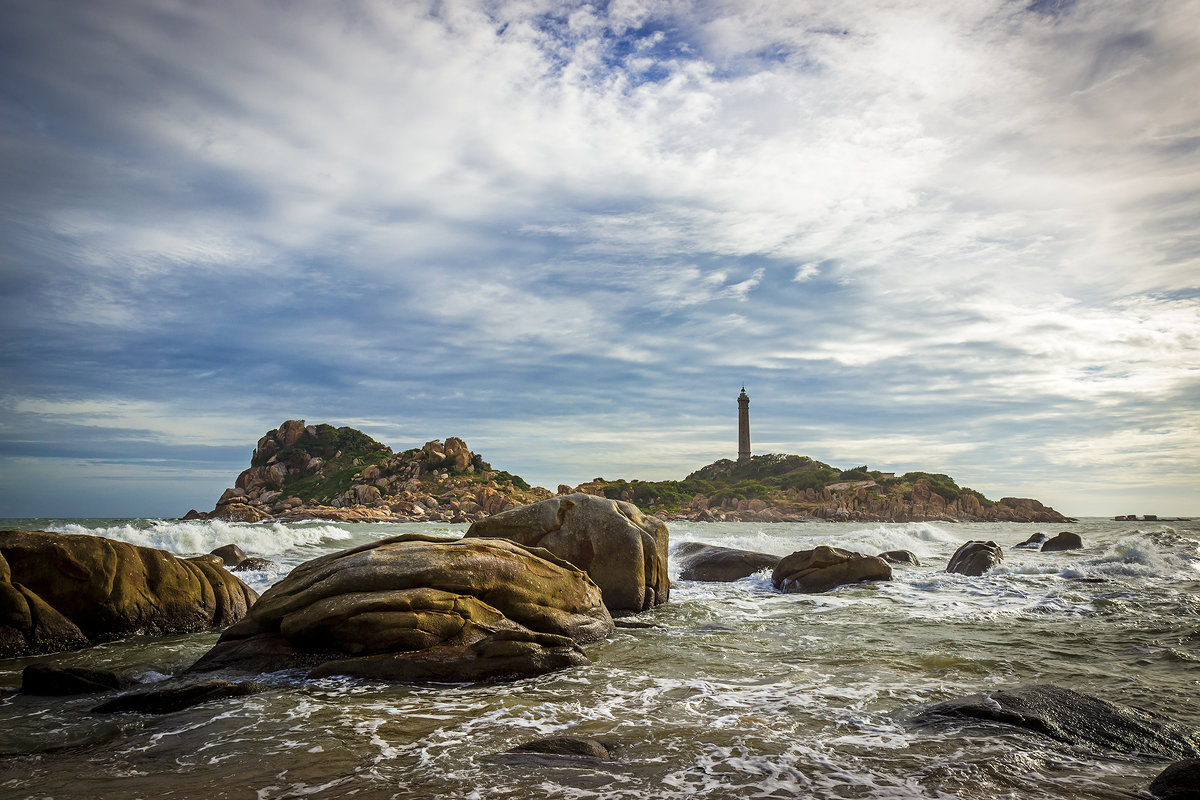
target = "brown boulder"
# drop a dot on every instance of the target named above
(290, 433)
(1063, 541)
(706, 562)
(420, 608)
(824, 568)
(239, 512)
(230, 554)
(975, 558)
(623, 550)
(62, 592)
(458, 455)
(901, 557)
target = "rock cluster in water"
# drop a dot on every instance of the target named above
(63, 592)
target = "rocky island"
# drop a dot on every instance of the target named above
(300, 471)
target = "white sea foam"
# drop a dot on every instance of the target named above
(193, 537)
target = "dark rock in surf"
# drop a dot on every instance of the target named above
(975, 558)
(901, 557)
(1034, 542)
(1064, 541)
(706, 562)
(165, 699)
(230, 554)
(252, 563)
(1179, 781)
(567, 746)
(420, 608)
(50, 680)
(62, 591)
(824, 568)
(1070, 717)
(623, 550)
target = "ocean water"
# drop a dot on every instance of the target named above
(736, 692)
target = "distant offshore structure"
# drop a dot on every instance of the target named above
(743, 426)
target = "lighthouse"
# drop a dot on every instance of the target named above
(743, 426)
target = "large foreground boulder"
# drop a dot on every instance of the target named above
(623, 550)
(63, 591)
(1070, 717)
(975, 558)
(707, 562)
(420, 608)
(824, 568)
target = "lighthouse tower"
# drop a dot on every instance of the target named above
(743, 426)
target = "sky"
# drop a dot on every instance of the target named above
(958, 237)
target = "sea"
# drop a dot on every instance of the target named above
(733, 691)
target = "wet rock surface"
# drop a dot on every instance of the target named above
(50, 680)
(706, 562)
(975, 558)
(171, 697)
(1070, 717)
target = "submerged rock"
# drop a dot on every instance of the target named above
(567, 746)
(1179, 781)
(824, 568)
(51, 680)
(172, 697)
(1070, 717)
(63, 591)
(1064, 541)
(420, 608)
(1034, 542)
(623, 550)
(706, 562)
(975, 558)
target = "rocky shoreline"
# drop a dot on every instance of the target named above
(316, 472)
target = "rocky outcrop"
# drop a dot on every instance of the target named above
(308, 472)
(706, 562)
(788, 488)
(63, 592)
(1070, 717)
(623, 550)
(1063, 541)
(420, 608)
(975, 558)
(824, 568)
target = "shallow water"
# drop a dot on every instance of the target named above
(737, 692)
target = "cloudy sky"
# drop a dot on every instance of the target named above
(956, 236)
